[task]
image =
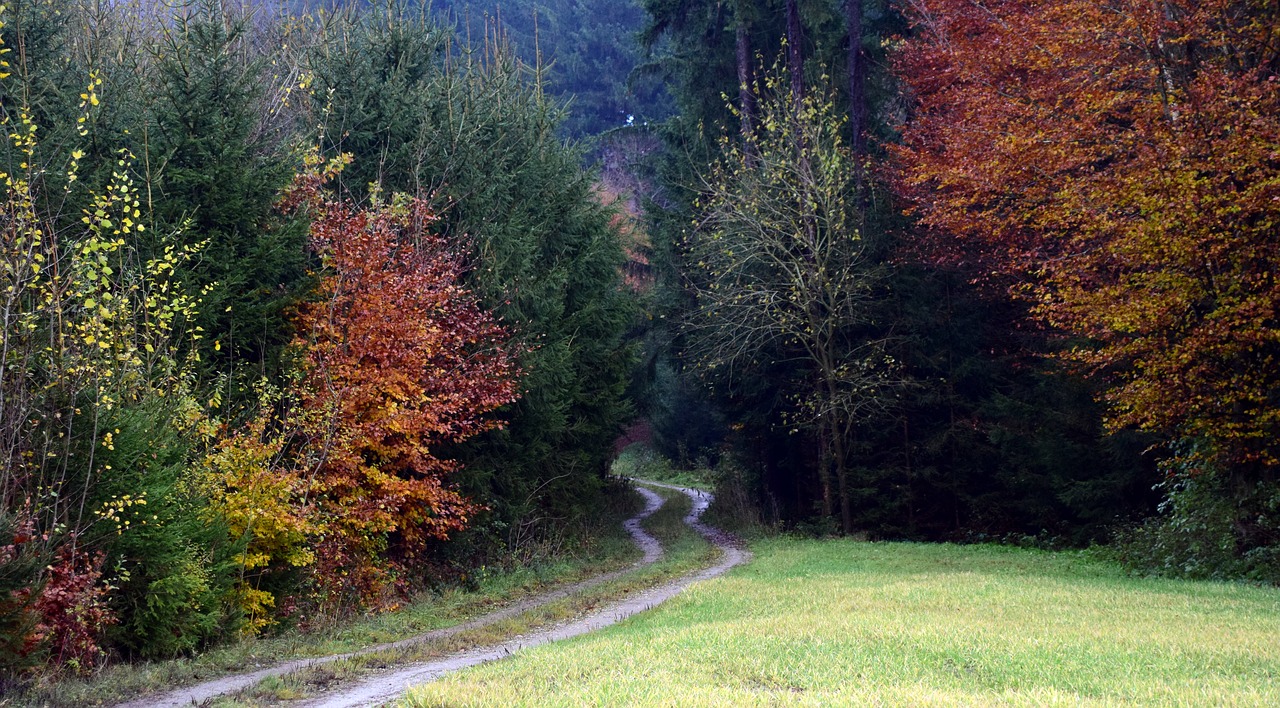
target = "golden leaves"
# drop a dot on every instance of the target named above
(1083, 158)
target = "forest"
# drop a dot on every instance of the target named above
(311, 308)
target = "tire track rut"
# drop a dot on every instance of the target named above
(206, 690)
(389, 686)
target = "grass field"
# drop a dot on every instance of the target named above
(849, 623)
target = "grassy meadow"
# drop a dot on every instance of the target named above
(842, 622)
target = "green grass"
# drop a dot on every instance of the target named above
(604, 549)
(643, 462)
(849, 623)
(684, 551)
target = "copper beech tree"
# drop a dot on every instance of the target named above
(1117, 163)
(395, 358)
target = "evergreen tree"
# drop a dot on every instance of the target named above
(468, 132)
(216, 178)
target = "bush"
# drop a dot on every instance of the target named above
(1208, 528)
(167, 557)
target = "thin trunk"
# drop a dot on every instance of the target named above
(746, 96)
(795, 59)
(857, 76)
(824, 474)
(906, 453)
(842, 474)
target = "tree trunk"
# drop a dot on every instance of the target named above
(824, 472)
(842, 474)
(795, 59)
(746, 96)
(857, 76)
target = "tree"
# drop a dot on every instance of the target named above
(479, 142)
(784, 275)
(397, 360)
(1115, 164)
(216, 173)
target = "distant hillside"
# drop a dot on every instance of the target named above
(588, 48)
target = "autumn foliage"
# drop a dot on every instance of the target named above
(1117, 163)
(395, 358)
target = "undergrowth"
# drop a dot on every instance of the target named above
(601, 548)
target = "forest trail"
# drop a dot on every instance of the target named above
(198, 693)
(388, 686)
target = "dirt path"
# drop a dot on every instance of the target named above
(229, 684)
(391, 685)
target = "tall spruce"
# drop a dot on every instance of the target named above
(466, 129)
(216, 178)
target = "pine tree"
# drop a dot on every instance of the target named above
(473, 136)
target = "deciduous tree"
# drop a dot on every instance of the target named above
(783, 274)
(1117, 164)
(395, 360)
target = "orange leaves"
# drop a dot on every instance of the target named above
(395, 358)
(1117, 163)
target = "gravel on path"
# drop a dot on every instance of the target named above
(389, 686)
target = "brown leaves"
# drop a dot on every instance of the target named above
(395, 359)
(1117, 163)
(398, 359)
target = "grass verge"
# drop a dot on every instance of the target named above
(849, 623)
(684, 551)
(638, 460)
(610, 548)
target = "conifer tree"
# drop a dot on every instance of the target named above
(216, 179)
(473, 136)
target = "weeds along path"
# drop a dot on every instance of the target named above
(391, 685)
(207, 690)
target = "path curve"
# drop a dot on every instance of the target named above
(389, 686)
(206, 690)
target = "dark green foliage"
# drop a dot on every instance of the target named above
(992, 442)
(586, 50)
(20, 562)
(42, 77)
(1211, 524)
(468, 131)
(380, 86)
(47, 79)
(217, 173)
(686, 426)
(170, 560)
